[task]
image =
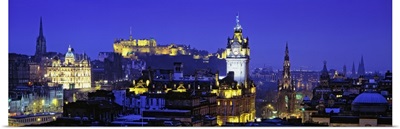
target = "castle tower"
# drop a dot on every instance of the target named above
(238, 54)
(40, 44)
(286, 89)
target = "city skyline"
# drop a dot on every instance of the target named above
(367, 26)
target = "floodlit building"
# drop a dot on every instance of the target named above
(71, 73)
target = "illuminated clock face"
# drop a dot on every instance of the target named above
(235, 51)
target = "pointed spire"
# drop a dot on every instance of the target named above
(361, 68)
(237, 19)
(325, 69)
(362, 59)
(344, 70)
(287, 49)
(238, 27)
(41, 28)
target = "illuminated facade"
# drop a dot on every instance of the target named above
(236, 93)
(286, 89)
(238, 53)
(71, 73)
(128, 48)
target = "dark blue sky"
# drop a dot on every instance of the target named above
(339, 31)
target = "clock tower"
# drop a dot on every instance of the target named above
(238, 54)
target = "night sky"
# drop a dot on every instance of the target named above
(338, 31)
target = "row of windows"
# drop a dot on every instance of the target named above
(38, 119)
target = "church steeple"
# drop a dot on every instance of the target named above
(361, 69)
(41, 28)
(40, 43)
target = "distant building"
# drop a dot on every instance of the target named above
(37, 119)
(149, 52)
(131, 47)
(342, 101)
(71, 73)
(18, 70)
(112, 63)
(25, 100)
(361, 68)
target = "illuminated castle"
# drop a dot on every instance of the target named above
(129, 48)
(71, 73)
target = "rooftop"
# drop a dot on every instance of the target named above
(371, 98)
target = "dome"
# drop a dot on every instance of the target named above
(369, 102)
(370, 98)
(69, 54)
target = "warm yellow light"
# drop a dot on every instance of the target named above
(54, 101)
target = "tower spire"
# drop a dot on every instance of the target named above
(40, 43)
(286, 69)
(361, 68)
(238, 27)
(287, 52)
(324, 69)
(41, 28)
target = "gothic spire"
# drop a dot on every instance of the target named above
(40, 43)
(286, 70)
(361, 68)
(324, 69)
(287, 52)
(41, 28)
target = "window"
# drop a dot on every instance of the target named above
(157, 101)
